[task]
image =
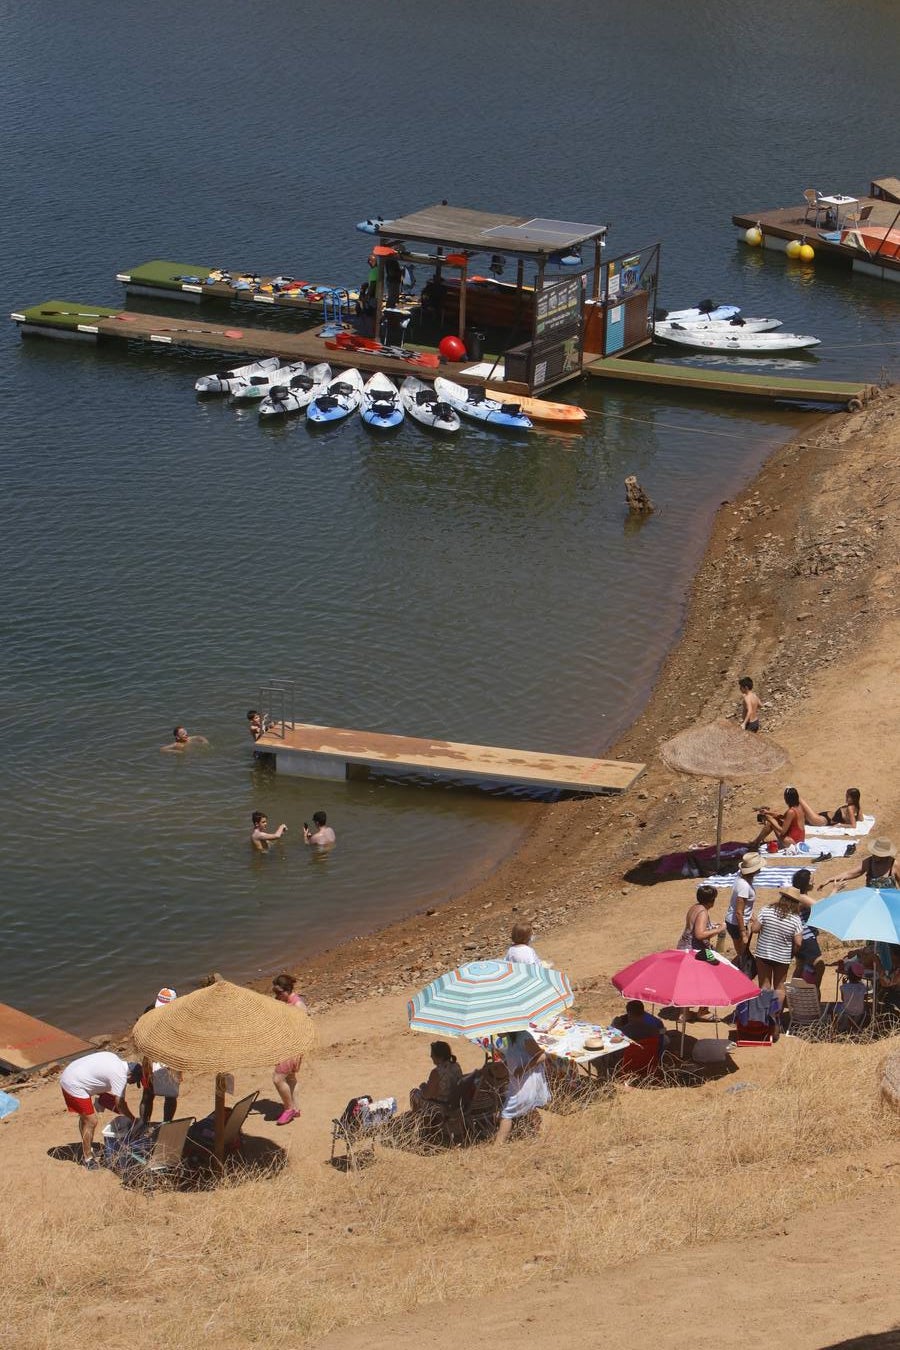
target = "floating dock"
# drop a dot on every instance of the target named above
(851, 394)
(65, 320)
(161, 278)
(310, 751)
(861, 236)
(28, 1043)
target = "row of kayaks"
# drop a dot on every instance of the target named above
(724, 329)
(279, 391)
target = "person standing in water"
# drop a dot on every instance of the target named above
(182, 741)
(321, 835)
(260, 837)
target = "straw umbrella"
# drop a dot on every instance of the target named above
(219, 1028)
(722, 750)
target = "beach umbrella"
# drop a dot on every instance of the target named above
(721, 750)
(866, 914)
(487, 998)
(220, 1028)
(679, 978)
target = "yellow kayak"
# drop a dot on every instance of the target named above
(539, 410)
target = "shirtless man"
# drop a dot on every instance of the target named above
(750, 705)
(182, 741)
(321, 835)
(260, 837)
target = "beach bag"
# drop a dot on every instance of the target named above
(746, 964)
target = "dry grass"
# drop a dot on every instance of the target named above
(312, 1249)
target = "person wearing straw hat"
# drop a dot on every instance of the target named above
(878, 866)
(780, 934)
(740, 907)
(162, 1081)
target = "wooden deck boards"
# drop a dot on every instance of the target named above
(781, 224)
(450, 759)
(27, 1042)
(60, 317)
(728, 381)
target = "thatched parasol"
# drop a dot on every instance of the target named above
(722, 750)
(223, 1027)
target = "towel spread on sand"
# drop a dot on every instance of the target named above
(865, 826)
(815, 849)
(769, 876)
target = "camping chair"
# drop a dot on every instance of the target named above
(758, 1020)
(480, 1115)
(357, 1128)
(163, 1162)
(201, 1138)
(804, 1007)
(811, 197)
(642, 1058)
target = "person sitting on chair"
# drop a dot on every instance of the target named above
(637, 1024)
(441, 1088)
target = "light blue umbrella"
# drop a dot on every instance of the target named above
(864, 915)
(486, 998)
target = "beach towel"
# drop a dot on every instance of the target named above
(815, 848)
(865, 826)
(769, 876)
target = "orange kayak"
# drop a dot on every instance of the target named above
(539, 410)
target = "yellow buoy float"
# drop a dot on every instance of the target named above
(753, 236)
(807, 252)
(793, 248)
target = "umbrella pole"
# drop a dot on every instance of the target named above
(219, 1146)
(719, 823)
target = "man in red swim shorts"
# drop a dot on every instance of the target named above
(104, 1076)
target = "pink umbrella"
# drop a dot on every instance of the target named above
(680, 979)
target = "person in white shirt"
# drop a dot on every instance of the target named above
(521, 949)
(104, 1076)
(740, 907)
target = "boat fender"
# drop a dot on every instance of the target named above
(855, 405)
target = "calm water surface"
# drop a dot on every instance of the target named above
(161, 557)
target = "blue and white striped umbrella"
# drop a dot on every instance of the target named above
(486, 998)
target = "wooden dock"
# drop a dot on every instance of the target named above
(851, 394)
(63, 319)
(164, 279)
(310, 751)
(779, 225)
(28, 1043)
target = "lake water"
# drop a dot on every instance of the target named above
(161, 557)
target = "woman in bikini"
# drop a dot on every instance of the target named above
(849, 815)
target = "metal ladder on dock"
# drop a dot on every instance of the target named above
(276, 705)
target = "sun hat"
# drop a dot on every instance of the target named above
(882, 848)
(165, 996)
(791, 893)
(750, 863)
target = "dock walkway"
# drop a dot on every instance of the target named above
(76, 321)
(781, 224)
(27, 1043)
(719, 381)
(310, 751)
(168, 280)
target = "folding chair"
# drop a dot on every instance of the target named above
(804, 1007)
(758, 1020)
(811, 197)
(202, 1135)
(156, 1155)
(481, 1114)
(358, 1127)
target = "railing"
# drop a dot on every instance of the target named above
(276, 705)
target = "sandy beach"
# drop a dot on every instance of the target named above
(641, 1207)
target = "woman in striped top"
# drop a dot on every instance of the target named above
(780, 934)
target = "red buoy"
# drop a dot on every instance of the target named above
(453, 348)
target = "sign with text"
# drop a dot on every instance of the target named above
(557, 308)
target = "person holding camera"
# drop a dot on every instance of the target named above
(788, 827)
(260, 837)
(321, 835)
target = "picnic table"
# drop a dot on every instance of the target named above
(564, 1039)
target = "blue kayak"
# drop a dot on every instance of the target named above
(342, 396)
(473, 403)
(381, 408)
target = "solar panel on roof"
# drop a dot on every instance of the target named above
(543, 231)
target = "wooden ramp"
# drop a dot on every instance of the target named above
(720, 381)
(331, 752)
(27, 1042)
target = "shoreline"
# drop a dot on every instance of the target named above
(731, 616)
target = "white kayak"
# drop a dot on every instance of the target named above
(343, 395)
(225, 380)
(258, 386)
(381, 408)
(738, 324)
(708, 311)
(424, 405)
(729, 339)
(473, 403)
(297, 394)
(373, 224)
